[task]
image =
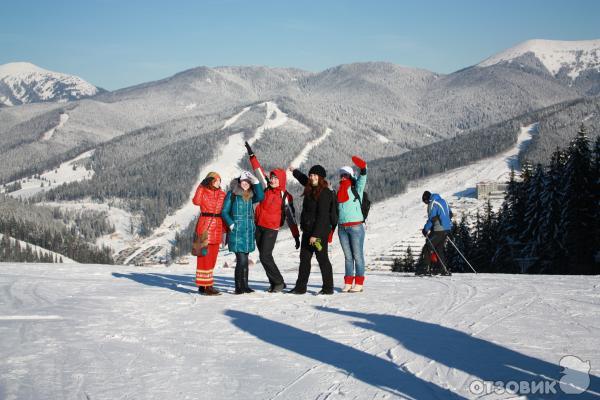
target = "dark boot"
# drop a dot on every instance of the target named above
(325, 291)
(211, 291)
(246, 287)
(277, 288)
(201, 289)
(239, 280)
(297, 290)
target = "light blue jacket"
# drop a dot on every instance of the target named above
(350, 211)
(438, 214)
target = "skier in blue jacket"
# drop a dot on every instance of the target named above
(437, 228)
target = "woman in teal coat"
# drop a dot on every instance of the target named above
(351, 229)
(238, 214)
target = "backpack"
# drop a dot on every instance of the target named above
(365, 204)
(283, 200)
(333, 210)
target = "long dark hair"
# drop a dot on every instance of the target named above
(315, 191)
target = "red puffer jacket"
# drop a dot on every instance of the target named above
(269, 212)
(210, 201)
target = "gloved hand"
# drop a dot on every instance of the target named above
(297, 239)
(253, 179)
(231, 227)
(330, 237)
(424, 232)
(359, 162)
(249, 149)
(247, 175)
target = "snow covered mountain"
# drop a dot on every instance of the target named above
(23, 82)
(569, 61)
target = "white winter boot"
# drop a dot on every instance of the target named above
(348, 282)
(358, 284)
(356, 289)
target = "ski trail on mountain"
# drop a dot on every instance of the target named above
(303, 156)
(233, 119)
(49, 133)
(408, 214)
(226, 164)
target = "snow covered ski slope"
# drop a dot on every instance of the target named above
(119, 332)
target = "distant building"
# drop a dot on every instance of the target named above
(491, 190)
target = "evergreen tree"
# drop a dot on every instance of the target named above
(549, 249)
(535, 212)
(409, 260)
(596, 206)
(578, 206)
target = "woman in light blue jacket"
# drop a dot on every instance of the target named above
(351, 227)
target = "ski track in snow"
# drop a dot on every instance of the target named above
(117, 332)
(48, 134)
(233, 119)
(303, 156)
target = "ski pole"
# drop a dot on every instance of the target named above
(461, 254)
(438, 256)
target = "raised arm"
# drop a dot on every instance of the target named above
(361, 182)
(256, 167)
(198, 195)
(300, 177)
(259, 192)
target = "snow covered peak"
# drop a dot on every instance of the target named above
(23, 82)
(575, 56)
(20, 68)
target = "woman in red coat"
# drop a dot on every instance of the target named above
(210, 197)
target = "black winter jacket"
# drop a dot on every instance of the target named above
(315, 218)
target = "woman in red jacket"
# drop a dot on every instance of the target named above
(276, 208)
(210, 197)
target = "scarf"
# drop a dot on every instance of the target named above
(342, 194)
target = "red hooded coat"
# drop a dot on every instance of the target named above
(271, 212)
(210, 201)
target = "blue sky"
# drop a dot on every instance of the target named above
(115, 44)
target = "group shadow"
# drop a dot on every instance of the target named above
(184, 283)
(478, 358)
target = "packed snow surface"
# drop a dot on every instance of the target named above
(116, 332)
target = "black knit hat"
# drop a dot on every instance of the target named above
(318, 170)
(426, 196)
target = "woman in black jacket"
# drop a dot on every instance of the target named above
(316, 224)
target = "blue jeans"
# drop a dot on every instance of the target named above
(352, 239)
